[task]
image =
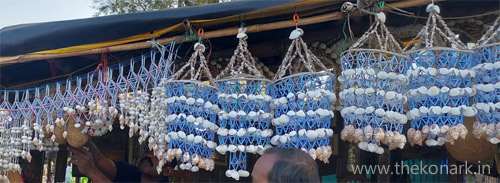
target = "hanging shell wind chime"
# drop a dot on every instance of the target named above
(374, 86)
(153, 127)
(192, 115)
(487, 99)
(440, 84)
(244, 119)
(302, 101)
(13, 140)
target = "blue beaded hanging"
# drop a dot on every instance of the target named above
(245, 116)
(191, 114)
(440, 84)
(302, 101)
(487, 85)
(374, 87)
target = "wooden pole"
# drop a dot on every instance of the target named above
(212, 34)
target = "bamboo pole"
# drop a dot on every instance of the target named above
(212, 34)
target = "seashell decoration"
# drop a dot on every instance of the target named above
(301, 101)
(191, 115)
(245, 116)
(440, 84)
(69, 111)
(487, 85)
(374, 86)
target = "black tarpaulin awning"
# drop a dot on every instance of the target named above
(83, 34)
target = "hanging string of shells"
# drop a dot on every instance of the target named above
(13, 131)
(192, 115)
(302, 101)
(374, 84)
(487, 85)
(245, 116)
(440, 84)
(68, 112)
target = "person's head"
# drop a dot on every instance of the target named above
(147, 166)
(285, 165)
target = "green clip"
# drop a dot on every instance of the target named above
(381, 4)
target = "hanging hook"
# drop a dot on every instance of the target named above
(296, 19)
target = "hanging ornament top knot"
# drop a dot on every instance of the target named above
(432, 7)
(296, 33)
(199, 47)
(241, 32)
(381, 16)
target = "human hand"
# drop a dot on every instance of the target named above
(83, 159)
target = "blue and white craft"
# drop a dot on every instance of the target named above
(245, 116)
(191, 115)
(440, 84)
(302, 101)
(374, 87)
(12, 133)
(487, 85)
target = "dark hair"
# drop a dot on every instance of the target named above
(293, 165)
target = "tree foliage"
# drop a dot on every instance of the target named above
(111, 7)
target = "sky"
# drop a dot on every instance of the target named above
(13, 12)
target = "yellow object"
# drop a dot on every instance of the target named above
(273, 11)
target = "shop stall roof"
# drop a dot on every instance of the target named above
(99, 32)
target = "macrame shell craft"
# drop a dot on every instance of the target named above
(487, 86)
(368, 84)
(439, 75)
(307, 100)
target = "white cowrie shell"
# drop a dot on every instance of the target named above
(455, 92)
(444, 71)
(296, 34)
(232, 132)
(369, 109)
(382, 75)
(197, 139)
(433, 91)
(445, 89)
(380, 112)
(432, 71)
(283, 100)
(392, 75)
(455, 111)
(424, 110)
(283, 139)
(370, 71)
(359, 91)
(369, 91)
(311, 134)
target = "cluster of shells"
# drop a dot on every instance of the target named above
(370, 139)
(330, 56)
(132, 106)
(435, 135)
(487, 131)
(99, 117)
(197, 131)
(237, 137)
(290, 117)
